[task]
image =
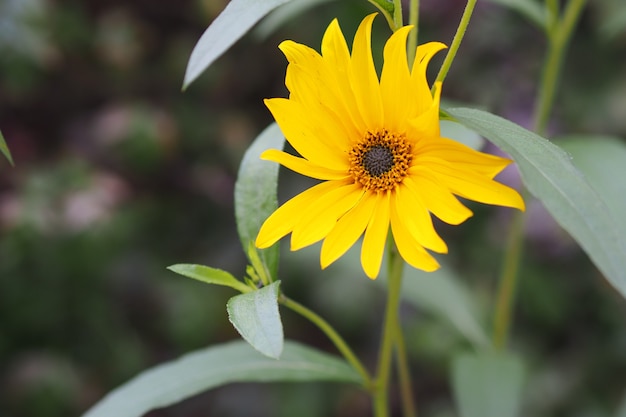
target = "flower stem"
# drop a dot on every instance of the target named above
(397, 14)
(391, 326)
(508, 280)
(413, 20)
(559, 35)
(406, 386)
(456, 42)
(559, 32)
(337, 340)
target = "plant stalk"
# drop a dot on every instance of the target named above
(337, 340)
(391, 325)
(456, 41)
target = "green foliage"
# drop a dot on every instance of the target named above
(488, 384)
(234, 22)
(5, 149)
(443, 294)
(548, 173)
(209, 275)
(255, 316)
(255, 193)
(214, 366)
(603, 161)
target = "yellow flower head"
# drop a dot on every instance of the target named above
(376, 146)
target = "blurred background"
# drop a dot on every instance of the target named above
(119, 174)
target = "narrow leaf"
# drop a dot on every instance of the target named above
(488, 384)
(234, 21)
(283, 15)
(603, 161)
(209, 275)
(548, 173)
(442, 294)
(255, 316)
(5, 149)
(212, 367)
(255, 193)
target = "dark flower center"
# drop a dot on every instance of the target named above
(381, 160)
(378, 160)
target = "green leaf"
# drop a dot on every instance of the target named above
(461, 134)
(283, 15)
(5, 149)
(548, 173)
(602, 160)
(234, 21)
(488, 384)
(531, 9)
(255, 193)
(209, 275)
(443, 294)
(218, 365)
(255, 316)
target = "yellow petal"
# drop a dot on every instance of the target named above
(347, 230)
(395, 83)
(321, 216)
(423, 56)
(363, 77)
(460, 156)
(309, 138)
(302, 166)
(427, 123)
(413, 212)
(337, 71)
(283, 220)
(410, 250)
(310, 85)
(438, 199)
(375, 237)
(476, 187)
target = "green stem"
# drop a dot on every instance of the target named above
(381, 394)
(456, 42)
(508, 280)
(559, 35)
(337, 340)
(559, 32)
(397, 14)
(413, 20)
(406, 386)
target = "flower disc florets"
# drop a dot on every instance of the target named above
(380, 161)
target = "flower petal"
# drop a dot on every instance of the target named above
(461, 156)
(438, 199)
(338, 72)
(347, 230)
(302, 166)
(410, 250)
(427, 123)
(283, 220)
(376, 237)
(423, 55)
(416, 218)
(472, 186)
(309, 138)
(309, 84)
(321, 216)
(363, 77)
(399, 100)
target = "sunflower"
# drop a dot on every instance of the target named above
(376, 147)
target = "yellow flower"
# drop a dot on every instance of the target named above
(377, 148)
